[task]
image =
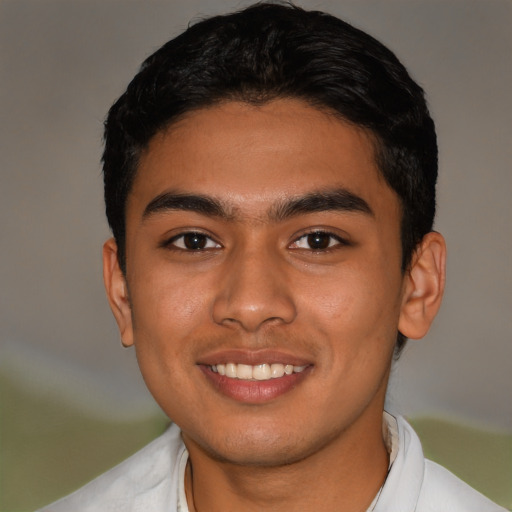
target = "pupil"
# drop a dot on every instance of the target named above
(318, 240)
(194, 241)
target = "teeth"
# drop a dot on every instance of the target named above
(261, 372)
(244, 371)
(257, 372)
(276, 371)
(231, 370)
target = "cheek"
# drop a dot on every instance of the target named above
(168, 303)
(356, 306)
(167, 313)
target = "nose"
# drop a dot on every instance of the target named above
(254, 292)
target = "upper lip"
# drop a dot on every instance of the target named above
(252, 357)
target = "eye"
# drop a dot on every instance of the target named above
(192, 241)
(318, 241)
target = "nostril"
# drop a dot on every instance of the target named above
(251, 317)
(254, 291)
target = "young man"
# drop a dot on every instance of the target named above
(270, 184)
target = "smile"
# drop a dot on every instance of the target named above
(257, 372)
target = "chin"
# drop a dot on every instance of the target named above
(262, 448)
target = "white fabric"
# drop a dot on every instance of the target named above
(153, 480)
(182, 497)
(390, 436)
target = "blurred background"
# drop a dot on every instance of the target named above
(72, 402)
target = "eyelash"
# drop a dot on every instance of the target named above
(207, 240)
(338, 241)
(172, 245)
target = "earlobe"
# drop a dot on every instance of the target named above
(423, 287)
(117, 291)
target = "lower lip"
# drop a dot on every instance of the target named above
(254, 391)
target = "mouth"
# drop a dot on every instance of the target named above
(259, 372)
(254, 377)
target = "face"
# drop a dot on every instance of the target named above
(263, 277)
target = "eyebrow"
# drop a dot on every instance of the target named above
(169, 201)
(341, 200)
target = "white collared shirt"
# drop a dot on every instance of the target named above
(153, 479)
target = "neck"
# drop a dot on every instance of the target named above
(345, 474)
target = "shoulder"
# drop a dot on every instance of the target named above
(442, 490)
(438, 490)
(140, 482)
(419, 485)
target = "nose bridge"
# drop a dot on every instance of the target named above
(254, 289)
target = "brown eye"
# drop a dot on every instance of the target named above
(319, 240)
(193, 241)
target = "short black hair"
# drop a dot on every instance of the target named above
(269, 51)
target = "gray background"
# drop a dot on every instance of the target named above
(62, 63)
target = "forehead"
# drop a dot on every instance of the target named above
(252, 156)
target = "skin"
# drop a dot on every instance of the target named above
(257, 288)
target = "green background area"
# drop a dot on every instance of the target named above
(480, 458)
(48, 450)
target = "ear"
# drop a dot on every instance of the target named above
(117, 292)
(423, 286)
